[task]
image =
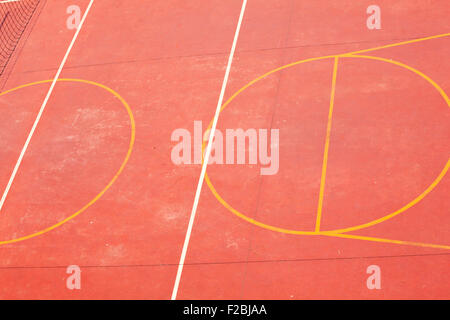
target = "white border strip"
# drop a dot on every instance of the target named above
(44, 104)
(207, 154)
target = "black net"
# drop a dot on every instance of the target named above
(14, 18)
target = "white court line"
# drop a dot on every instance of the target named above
(207, 154)
(6, 1)
(44, 104)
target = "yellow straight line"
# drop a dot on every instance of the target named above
(374, 239)
(327, 145)
(400, 43)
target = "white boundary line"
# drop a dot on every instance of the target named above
(44, 104)
(207, 154)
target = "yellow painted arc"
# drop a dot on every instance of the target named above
(251, 220)
(121, 168)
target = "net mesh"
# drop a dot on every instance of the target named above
(14, 18)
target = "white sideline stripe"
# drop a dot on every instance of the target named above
(207, 154)
(6, 1)
(30, 135)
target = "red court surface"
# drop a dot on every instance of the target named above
(364, 130)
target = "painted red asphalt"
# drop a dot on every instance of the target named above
(389, 141)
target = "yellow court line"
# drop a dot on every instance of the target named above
(374, 239)
(327, 145)
(399, 43)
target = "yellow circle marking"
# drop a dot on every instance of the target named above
(122, 166)
(336, 231)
